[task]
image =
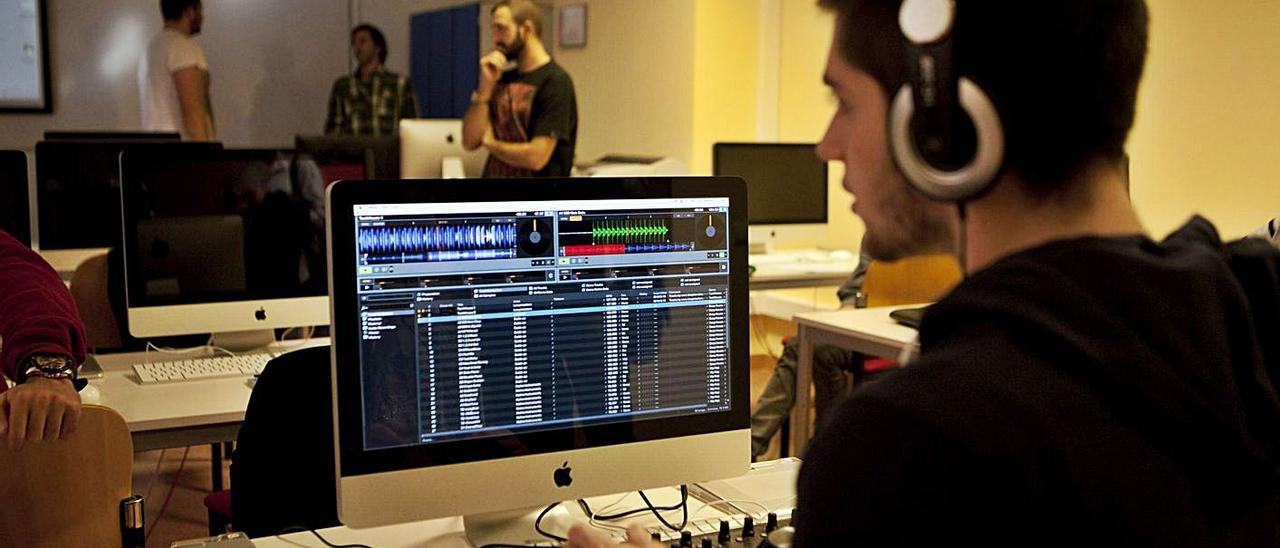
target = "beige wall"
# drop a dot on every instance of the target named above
(726, 62)
(805, 106)
(634, 80)
(1206, 139)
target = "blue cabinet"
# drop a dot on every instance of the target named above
(444, 59)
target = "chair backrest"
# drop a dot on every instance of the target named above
(89, 288)
(912, 280)
(282, 474)
(68, 493)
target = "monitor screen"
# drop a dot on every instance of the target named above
(786, 183)
(221, 226)
(78, 190)
(343, 157)
(24, 57)
(571, 314)
(15, 213)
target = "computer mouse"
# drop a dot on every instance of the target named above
(90, 394)
(841, 255)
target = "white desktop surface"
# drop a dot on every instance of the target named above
(799, 268)
(771, 483)
(65, 261)
(867, 330)
(175, 414)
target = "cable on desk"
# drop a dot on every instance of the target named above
(326, 542)
(683, 505)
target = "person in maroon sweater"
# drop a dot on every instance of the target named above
(43, 341)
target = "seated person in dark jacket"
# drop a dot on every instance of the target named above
(1085, 385)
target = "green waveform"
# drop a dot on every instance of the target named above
(631, 231)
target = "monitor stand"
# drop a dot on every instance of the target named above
(243, 341)
(515, 526)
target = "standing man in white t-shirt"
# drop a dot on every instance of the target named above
(173, 76)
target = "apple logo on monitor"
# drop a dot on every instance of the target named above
(561, 476)
(261, 314)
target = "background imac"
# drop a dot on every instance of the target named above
(581, 337)
(78, 190)
(787, 190)
(352, 157)
(432, 149)
(219, 241)
(15, 205)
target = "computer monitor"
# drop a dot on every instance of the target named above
(93, 135)
(78, 191)
(352, 157)
(15, 206)
(222, 241)
(787, 189)
(432, 149)
(500, 347)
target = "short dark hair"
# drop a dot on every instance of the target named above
(1063, 74)
(172, 10)
(521, 11)
(377, 37)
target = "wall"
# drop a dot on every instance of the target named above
(726, 63)
(267, 84)
(805, 106)
(634, 79)
(1208, 114)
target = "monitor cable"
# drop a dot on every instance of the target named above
(649, 507)
(326, 542)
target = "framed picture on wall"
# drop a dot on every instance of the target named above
(573, 26)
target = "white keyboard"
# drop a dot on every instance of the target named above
(201, 368)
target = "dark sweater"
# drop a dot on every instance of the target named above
(37, 313)
(1097, 391)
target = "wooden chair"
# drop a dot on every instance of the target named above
(912, 280)
(89, 288)
(67, 493)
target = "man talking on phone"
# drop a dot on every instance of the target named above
(524, 111)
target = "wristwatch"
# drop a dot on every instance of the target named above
(50, 366)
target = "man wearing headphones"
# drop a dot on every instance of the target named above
(1085, 384)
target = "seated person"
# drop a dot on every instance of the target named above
(1085, 384)
(43, 342)
(829, 380)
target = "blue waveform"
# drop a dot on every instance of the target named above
(652, 248)
(426, 239)
(442, 256)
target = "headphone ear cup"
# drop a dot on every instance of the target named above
(938, 182)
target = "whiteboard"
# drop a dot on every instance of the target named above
(24, 62)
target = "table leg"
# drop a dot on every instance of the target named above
(215, 451)
(804, 383)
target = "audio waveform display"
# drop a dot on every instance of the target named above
(619, 249)
(649, 231)
(438, 243)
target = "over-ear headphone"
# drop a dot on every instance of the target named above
(944, 133)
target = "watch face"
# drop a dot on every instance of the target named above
(47, 361)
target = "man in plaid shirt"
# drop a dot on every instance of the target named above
(373, 100)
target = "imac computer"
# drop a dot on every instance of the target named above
(498, 348)
(228, 242)
(352, 157)
(15, 206)
(787, 190)
(94, 135)
(432, 149)
(78, 190)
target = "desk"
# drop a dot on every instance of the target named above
(780, 271)
(161, 416)
(772, 483)
(65, 261)
(868, 330)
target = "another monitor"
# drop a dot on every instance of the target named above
(787, 189)
(78, 190)
(432, 149)
(222, 241)
(500, 347)
(352, 157)
(93, 135)
(15, 206)
(24, 57)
